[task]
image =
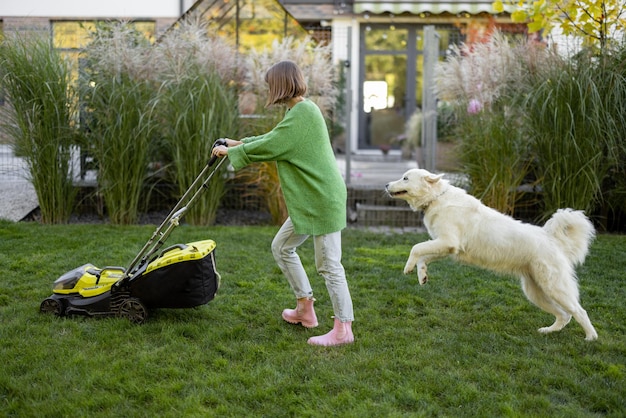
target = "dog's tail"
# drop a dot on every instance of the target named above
(574, 231)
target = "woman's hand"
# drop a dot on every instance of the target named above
(220, 151)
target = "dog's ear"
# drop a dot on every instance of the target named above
(433, 178)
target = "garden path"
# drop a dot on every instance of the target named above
(374, 170)
(17, 195)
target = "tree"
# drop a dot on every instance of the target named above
(597, 22)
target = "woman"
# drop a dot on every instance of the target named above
(315, 196)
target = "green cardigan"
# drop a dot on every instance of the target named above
(314, 190)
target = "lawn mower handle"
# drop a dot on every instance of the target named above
(220, 141)
(163, 231)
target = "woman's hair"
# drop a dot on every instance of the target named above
(285, 81)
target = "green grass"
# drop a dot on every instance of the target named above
(465, 344)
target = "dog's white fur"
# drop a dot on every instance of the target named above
(461, 226)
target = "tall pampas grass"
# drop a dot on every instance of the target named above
(168, 101)
(481, 71)
(570, 116)
(40, 119)
(191, 43)
(198, 73)
(119, 103)
(527, 113)
(483, 83)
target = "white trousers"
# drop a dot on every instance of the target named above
(327, 262)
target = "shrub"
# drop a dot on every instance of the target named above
(481, 83)
(564, 117)
(614, 124)
(198, 74)
(536, 114)
(166, 102)
(40, 120)
(494, 155)
(119, 106)
(576, 112)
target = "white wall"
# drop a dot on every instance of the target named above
(94, 8)
(348, 49)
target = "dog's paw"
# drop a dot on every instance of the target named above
(545, 330)
(408, 267)
(422, 273)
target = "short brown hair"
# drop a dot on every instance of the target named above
(285, 81)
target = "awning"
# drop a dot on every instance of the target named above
(418, 7)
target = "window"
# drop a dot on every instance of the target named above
(249, 24)
(71, 37)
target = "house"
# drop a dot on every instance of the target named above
(379, 45)
(384, 44)
(61, 16)
(383, 48)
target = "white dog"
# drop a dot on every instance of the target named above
(461, 226)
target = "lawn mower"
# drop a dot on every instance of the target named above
(180, 276)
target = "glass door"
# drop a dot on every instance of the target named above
(387, 75)
(391, 80)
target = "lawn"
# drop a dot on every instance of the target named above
(465, 344)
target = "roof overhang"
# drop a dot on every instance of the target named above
(419, 7)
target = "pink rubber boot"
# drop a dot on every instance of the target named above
(303, 314)
(340, 334)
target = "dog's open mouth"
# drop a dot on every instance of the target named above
(397, 193)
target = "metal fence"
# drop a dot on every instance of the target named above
(367, 204)
(12, 168)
